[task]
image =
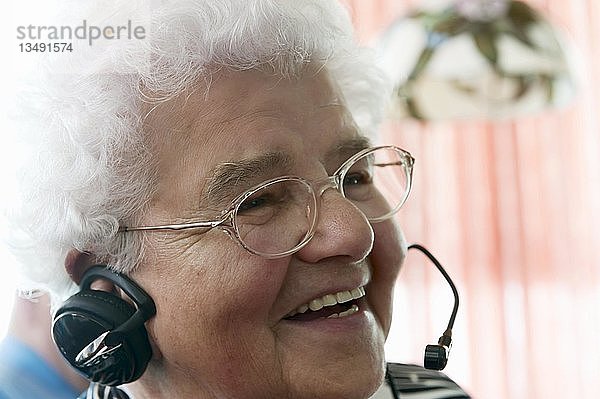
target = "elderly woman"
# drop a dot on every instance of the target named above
(249, 118)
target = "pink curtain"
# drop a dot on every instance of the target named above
(512, 209)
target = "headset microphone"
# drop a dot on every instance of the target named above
(436, 356)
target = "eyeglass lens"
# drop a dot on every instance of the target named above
(276, 218)
(378, 183)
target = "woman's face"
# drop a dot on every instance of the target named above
(222, 328)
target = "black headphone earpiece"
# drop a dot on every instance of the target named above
(100, 334)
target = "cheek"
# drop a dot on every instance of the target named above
(387, 257)
(389, 250)
(213, 303)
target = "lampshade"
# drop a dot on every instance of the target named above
(476, 59)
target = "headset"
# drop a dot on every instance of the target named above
(100, 334)
(436, 356)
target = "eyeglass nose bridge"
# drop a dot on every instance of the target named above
(322, 185)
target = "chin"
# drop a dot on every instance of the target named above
(354, 376)
(352, 385)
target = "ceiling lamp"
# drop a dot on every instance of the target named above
(475, 59)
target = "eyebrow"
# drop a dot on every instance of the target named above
(347, 148)
(228, 177)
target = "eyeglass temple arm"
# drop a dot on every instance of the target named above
(182, 226)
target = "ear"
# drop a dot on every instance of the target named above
(77, 263)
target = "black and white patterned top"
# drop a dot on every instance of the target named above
(98, 391)
(402, 381)
(405, 381)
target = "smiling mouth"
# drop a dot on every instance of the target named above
(340, 304)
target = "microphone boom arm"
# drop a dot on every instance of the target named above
(436, 356)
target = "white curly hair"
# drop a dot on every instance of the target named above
(90, 169)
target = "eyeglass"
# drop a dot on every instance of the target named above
(278, 217)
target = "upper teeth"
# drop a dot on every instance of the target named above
(329, 300)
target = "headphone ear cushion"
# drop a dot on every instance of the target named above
(87, 315)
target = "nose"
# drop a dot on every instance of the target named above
(341, 230)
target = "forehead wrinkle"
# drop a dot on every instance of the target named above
(227, 177)
(251, 120)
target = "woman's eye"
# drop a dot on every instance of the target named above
(353, 179)
(253, 203)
